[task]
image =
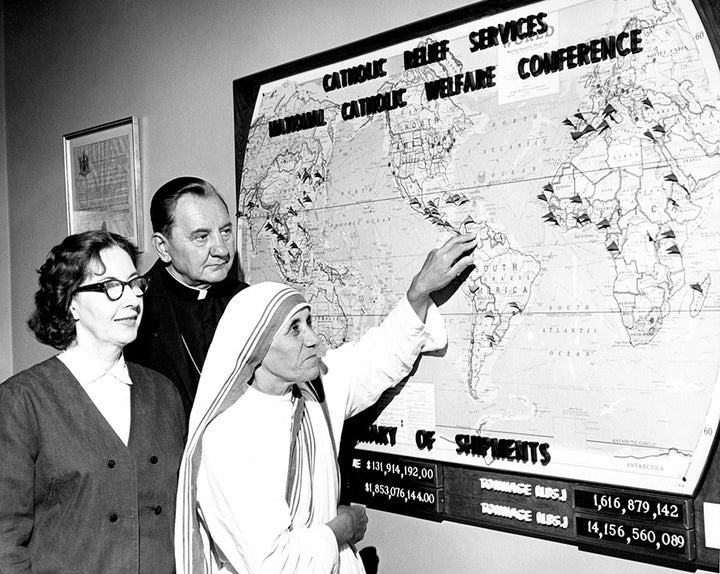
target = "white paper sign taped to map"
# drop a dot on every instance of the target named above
(584, 344)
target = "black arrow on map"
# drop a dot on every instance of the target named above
(604, 224)
(673, 178)
(696, 287)
(577, 135)
(457, 199)
(550, 218)
(582, 219)
(648, 103)
(515, 307)
(609, 111)
(669, 234)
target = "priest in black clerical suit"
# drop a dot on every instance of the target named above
(190, 284)
(178, 326)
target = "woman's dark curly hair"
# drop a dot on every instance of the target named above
(66, 267)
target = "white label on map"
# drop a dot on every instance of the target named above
(511, 87)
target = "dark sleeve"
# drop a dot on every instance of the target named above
(18, 452)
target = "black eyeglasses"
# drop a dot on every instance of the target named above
(114, 288)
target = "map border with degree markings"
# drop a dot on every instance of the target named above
(590, 320)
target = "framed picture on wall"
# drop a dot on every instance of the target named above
(102, 179)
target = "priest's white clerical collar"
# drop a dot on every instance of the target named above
(201, 291)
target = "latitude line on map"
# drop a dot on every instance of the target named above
(649, 166)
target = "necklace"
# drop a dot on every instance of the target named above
(190, 354)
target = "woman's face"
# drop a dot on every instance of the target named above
(292, 356)
(99, 322)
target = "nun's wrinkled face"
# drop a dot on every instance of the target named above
(292, 357)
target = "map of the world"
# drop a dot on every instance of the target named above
(580, 141)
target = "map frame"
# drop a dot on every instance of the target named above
(246, 91)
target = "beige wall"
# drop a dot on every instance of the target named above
(171, 63)
(6, 364)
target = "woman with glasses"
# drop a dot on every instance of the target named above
(89, 445)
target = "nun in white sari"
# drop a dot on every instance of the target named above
(259, 482)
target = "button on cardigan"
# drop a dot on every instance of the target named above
(73, 497)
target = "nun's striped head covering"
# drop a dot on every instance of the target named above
(241, 341)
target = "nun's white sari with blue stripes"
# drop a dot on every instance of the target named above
(259, 478)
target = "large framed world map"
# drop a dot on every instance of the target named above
(580, 141)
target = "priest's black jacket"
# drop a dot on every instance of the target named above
(73, 497)
(159, 344)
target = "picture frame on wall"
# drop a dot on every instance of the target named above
(103, 179)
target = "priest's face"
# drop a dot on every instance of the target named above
(201, 244)
(292, 357)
